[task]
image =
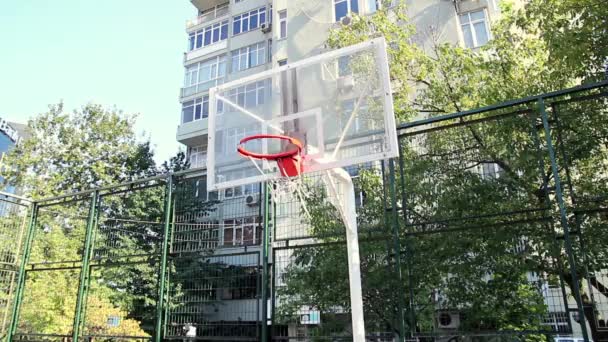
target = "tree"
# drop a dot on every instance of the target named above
(485, 240)
(575, 31)
(89, 148)
(69, 153)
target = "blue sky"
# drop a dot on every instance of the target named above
(123, 53)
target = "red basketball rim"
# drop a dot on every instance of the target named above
(274, 156)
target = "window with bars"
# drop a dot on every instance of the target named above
(208, 35)
(242, 232)
(248, 21)
(475, 29)
(248, 57)
(558, 321)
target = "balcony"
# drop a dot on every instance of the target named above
(201, 87)
(205, 5)
(212, 14)
(193, 133)
(206, 50)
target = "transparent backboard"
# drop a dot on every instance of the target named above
(338, 104)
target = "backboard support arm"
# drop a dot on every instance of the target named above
(342, 196)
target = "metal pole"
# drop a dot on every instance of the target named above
(342, 196)
(265, 273)
(564, 221)
(84, 271)
(168, 283)
(27, 248)
(547, 202)
(163, 263)
(408, 248)
(397, 245)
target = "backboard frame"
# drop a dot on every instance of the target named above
(392, 150)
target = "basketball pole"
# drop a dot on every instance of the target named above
(342, 195)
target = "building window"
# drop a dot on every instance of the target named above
(232, 139)
(557, 321)
(489, 171)
(198, 158)
(248, 57)
(242, 232)
(113, 321)
(282, 24)
(248, 21)
(201, 192)
(204, 75)
(362, 122)
(474, 27)
(343, 7)
(242, 283)
(195, 109)
(249, 96)
(208, 35)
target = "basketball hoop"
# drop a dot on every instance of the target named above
(289, 162)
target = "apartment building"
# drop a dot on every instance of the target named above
(230, 39)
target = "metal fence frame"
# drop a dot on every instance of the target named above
(399, 245)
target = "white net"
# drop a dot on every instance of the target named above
(284, 189)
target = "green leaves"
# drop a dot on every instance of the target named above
(72, 152)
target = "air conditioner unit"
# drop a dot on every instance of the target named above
(266, 27)
(252, 200)
(448, 320)
(345, 83)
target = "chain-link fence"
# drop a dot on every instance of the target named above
(491, 226)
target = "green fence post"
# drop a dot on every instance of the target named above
(84, 271)
(408, 248)
(27, 248)
(90, 269)
(163, 259)
(265, 273)
(564, 220)
(397, 245)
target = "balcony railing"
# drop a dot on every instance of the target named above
(212, 14)
(197, 88)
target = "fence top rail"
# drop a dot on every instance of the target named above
(164, 176)
(6, 194)
(506, 104)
